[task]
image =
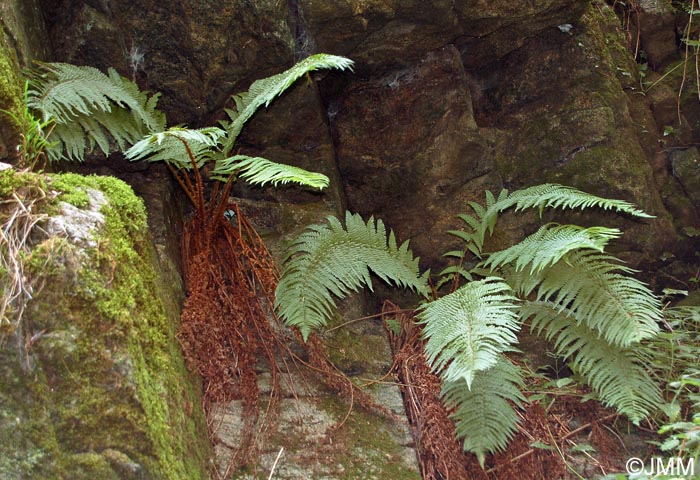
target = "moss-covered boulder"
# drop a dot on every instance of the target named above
(93, 382)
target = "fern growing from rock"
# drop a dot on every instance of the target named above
(558, 280)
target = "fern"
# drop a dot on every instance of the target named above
(264, 91)
(89, 108)
(549, 244)
(593, 291)
(172, 146)
(548, 195)
(328, 261)
(259, 171)
(214, 145)
(582, 299)
(551, 195)
(617, 375)
(484, 414)
(469, 329)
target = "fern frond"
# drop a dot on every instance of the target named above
(468, 330)
(98, 130)
(550, 195)
(597, 293)
(103, 106)
(328, 261)
(549, 244)
(616, 374)
(263, 91)
(484, 415)
(169, 146)
(259, 171)
(543, 196)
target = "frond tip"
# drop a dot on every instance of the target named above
(328, 261)
(262, 92)
(484, 415)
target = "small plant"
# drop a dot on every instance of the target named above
(558, 281)
(676, 363)
(34, 144)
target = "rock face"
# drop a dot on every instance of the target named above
(447, 98)
(94, 382)
(23, 38)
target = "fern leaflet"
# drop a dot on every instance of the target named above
(549, 244)
(617, 375)
(550, 195)
(263, 91)
(543, 196)
(593, 291)
(483, 414)
(259, 171)
(469, 329)
(332, 260)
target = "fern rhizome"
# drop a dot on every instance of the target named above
(558, 281)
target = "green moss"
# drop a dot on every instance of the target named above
(10, 83)
(11, 182)
(90, 466)
(71, 188)
(110, 376)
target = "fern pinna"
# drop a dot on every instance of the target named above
(558, 280)
(334, 259)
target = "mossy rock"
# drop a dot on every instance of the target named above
(95, 383)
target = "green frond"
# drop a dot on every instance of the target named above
(468, 330)
(616, 374)
(328, 261)
(259, 171)
(550, 195)
(262, 92)
(484, 414)
(96, 130)
(169, 146)
(84, 101)
(543, 196)
(549, 244)
(595, 292)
